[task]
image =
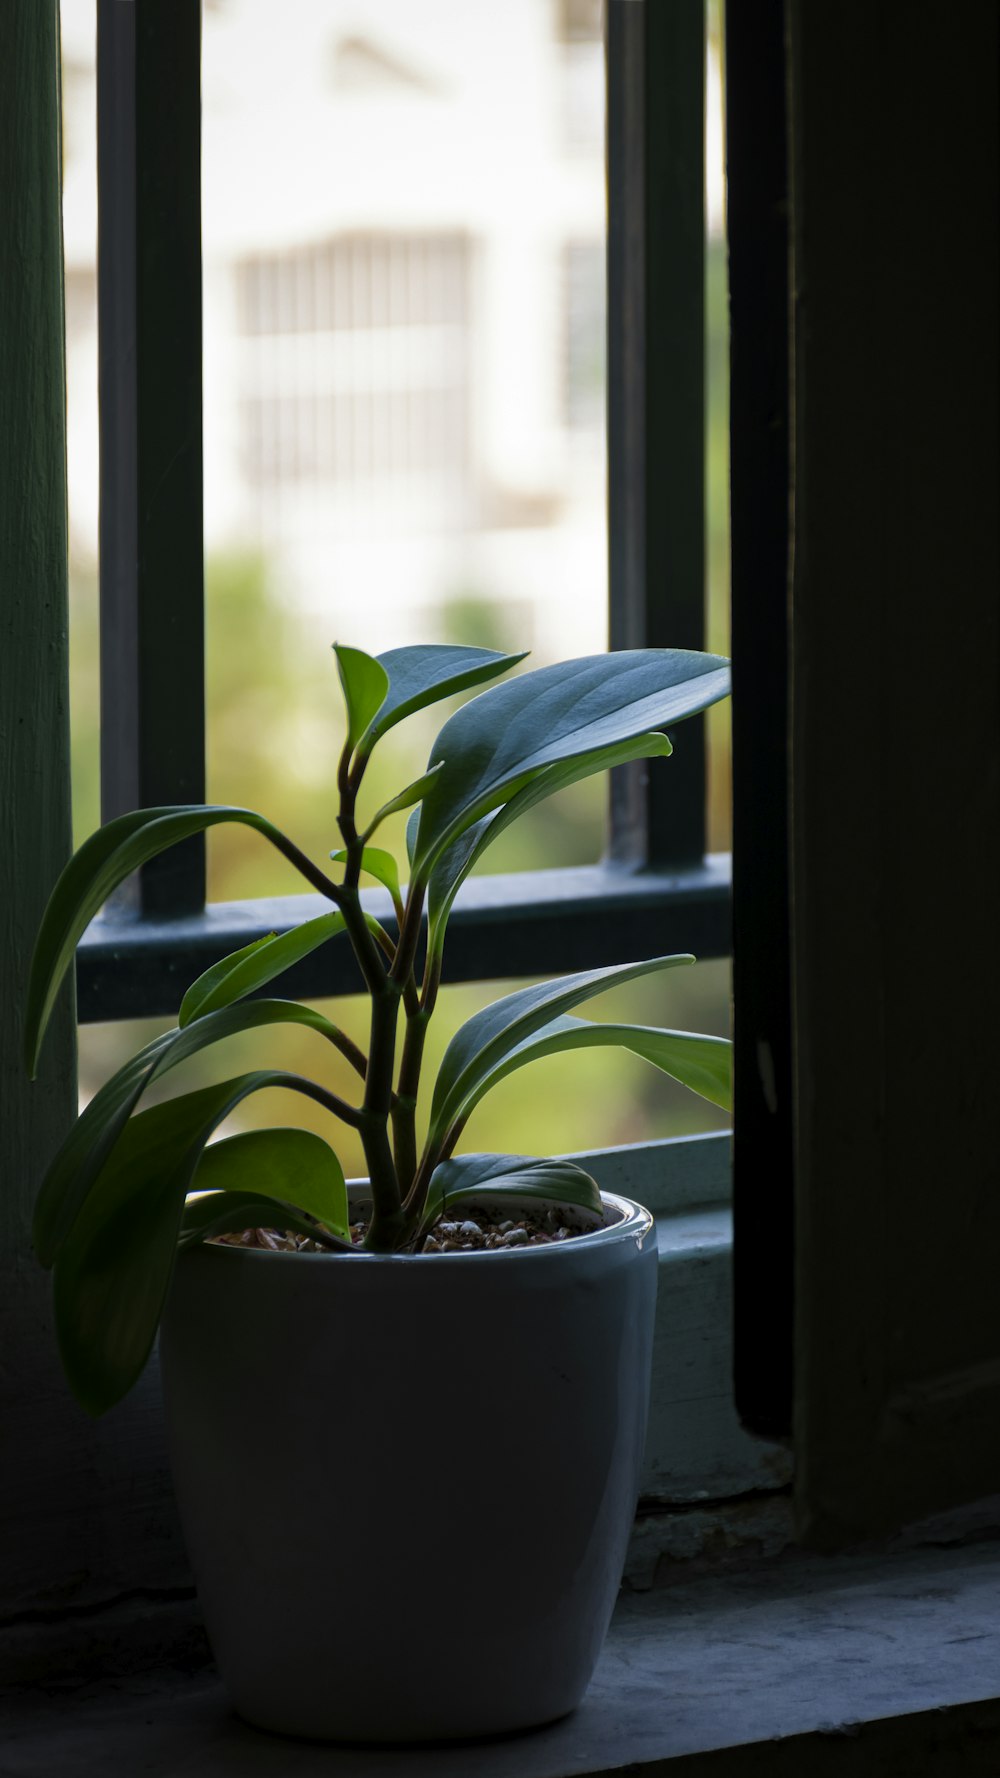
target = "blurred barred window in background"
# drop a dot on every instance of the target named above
(404, 215)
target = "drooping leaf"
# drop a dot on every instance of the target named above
(365, 683)
(485, 1039)
(702, 1063)
(264, 1171)
(113, 1271)
(405, 799)
(244, 971)
(500, 741)
(471, 1178)
(423, 675)
(454, 866)
(90, 1141)
(378, 864)
(95, 870)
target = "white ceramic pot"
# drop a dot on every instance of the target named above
(407, 1481)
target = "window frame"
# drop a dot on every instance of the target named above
(656, 887)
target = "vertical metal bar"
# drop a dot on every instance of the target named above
(675, 395)
(760, 505)
(656, 388)
(151, 531)
(625, 58)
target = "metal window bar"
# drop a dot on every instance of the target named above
(656, 390)
(149, 345)
(657, 890)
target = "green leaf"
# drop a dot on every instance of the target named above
(365, 683)
(113, 1271)
(471, 1178)
(502, 739)
(454, 866)
(485, 1039)
(405, 799)
(265, 1167)
(90, 1141)
(424, 675)
(241, 973)
(102, 862)
(702, 1063)
(379, 864)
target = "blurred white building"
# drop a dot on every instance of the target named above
(404, 225)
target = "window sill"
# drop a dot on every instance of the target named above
(860, 1663)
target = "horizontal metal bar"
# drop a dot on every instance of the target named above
(534, 924)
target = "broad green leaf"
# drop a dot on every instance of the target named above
(243, 972)
(404, 800)
(485, 1039)
(411, 834)
(205, 984)
(423, 675)
(86, 1148)
(379, 864)
(113, 1271)
(497, 743)
(365, 683)
(102, 862)
(261, 1167)
(702, 1063)
(452, 869)
(469, 1178)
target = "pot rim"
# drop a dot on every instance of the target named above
(634, 1223)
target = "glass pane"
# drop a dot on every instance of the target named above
(404, 228)
(404, 426)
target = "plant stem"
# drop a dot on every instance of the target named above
(384, 993)
(348, 1114)
(432, 982)
(306, 868)
(404, 1122)
(349, 902)
(348, 1049)
(409, 934)
(411, 996)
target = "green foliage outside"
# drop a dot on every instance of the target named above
(273, 737)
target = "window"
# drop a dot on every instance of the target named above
(342, 371)
(346, 358)
(901, 1423)
(344, 361)
(392, 397)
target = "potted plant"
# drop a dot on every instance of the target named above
(406, 1424)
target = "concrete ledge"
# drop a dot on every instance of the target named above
(886, 1664)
